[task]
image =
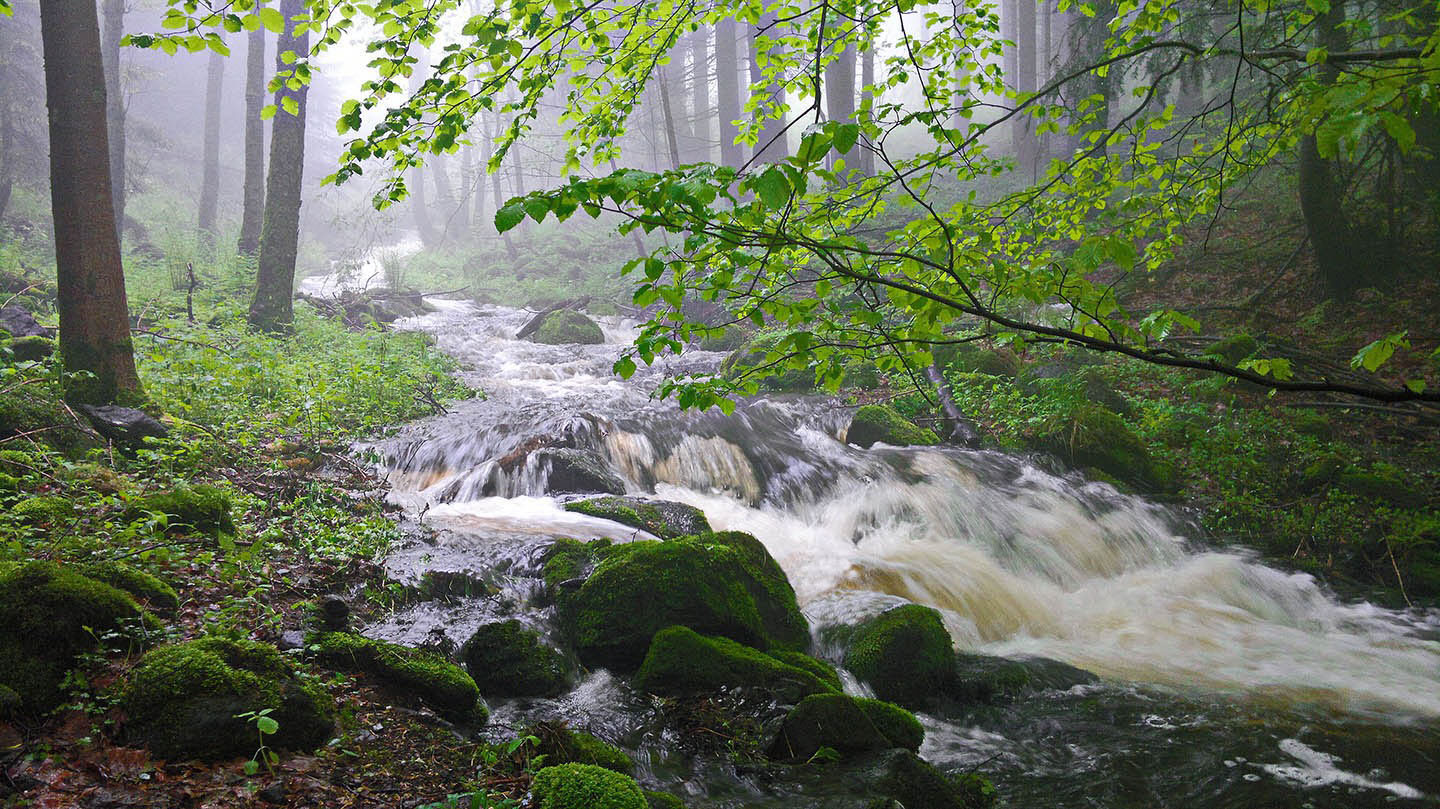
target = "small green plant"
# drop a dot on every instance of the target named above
(265, 725)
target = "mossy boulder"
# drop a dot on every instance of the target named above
(561, 745)
(983, 678)
(509, 659)
(750, 360)
(717, 584)
(566, 327)
(28, 349)
(1089, 435)
(917, 784)
(49, 615)
(182, 701)
(971, 358)
(662, 518)
(1234, 349)
(44, 511)
(682, 661)
(201, 508)
(584, 786)
(662, 800)
(873, 424)
(436, 681)
(37, 410)
(904, 654)
(137, 583)
(1384, 484)
(819, 668)
(566, 565)
(98, 478)
(847, 725)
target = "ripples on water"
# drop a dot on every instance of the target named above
(1226, 682)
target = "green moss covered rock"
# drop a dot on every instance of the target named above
(972, 358)
(681, 661)
(982, 678)
(137, 583)
(873, 424)
(845, 724)
(201, 508)
(37, 410)
(47, 510)
(567, 326)
(509, 659)
(181, 701)
(1089, 435)
(918, 784)
(28, 349)
(905, 654)
(819, 668)
(1233, 349)
(561, 745)
(717, 584)
(661, 518)
(749, 359)
(662, 800)
(49, 615)
(439, 683)
(1384, 484)
(584, 786)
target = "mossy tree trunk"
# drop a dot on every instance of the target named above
(272, 309)
(252, 212)
(210, 164)
(90, 281)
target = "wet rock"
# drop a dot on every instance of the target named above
(137, 583)
(662, 518)
(717, 584)
(334, 612)
(28, 349)
(18, 322)
(563, 327)
(584, 786)
(1089, 435)
(275, 794)
(186, 701)
(662, 800)
(561, 745)
(873, 424)
(847, 725)
(291, 640)
(48, 616)
(904, 654)
(574, 471)
(437, 682)
(123, 425)
(508, 659)
(681, 661)
(983, 678)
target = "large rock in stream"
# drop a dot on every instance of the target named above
(662, 518)
(723, 584)
(904, 654)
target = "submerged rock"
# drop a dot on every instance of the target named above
(584, 786)
(507, 659)
(439, 683)
(982, 678)
(682, 661)
(49, 615)
(123, 425)
(574, 471)
(904, 654)
(662, 518)
(717, 584)
(565, 327)
(847, 725)
(873, 424)
(187, 701)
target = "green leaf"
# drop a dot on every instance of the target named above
(1372, 356)
(272, 19)
(509, 216)
(624, 367)
(266, 725)
(773, 188)
(845, 137)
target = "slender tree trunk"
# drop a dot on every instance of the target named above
(272, 309)
(499, 188)
(420, 208)
(839, 89)
(700, 95)
(210, 166)
(7, 143)
(772, 145)
(90, 281)
(672, 138)
(864, 157)
(727, 91)
(445, 198)
(481, 170)
(111, 34)
(1025, 83)
(253, 207)
(1320, 202)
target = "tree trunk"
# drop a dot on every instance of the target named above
(727, 91)
(253, 207)
(771, 146)
(672, 137)
(1320, 201)
(115, 106)
(864, 157)
(445, 198)
(272, 309)
(7, 142)
(840, 80)
(499, 189)
(420, 208)
(700, 96)
(1025, 83)
(480, 171)
(210, 166)
(90, 281)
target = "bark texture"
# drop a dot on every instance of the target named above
(727, 91)
(210, 165)
(272, 309)
(90, 282)
(1320, 199)
(772, 145)
(252, 213)
(114, 29)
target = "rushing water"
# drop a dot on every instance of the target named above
(1225, 683)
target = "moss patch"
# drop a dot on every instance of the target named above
(819, 668)
(662, 800)
(137, 583)
(561, 745)
(567, 326)
(1089, 435)
(201, 508)
(507, 659)
(436, 681)
(681, 661)
(904, 654)
(716, 584)
(182, 701)
(48, 616)
(583, 786)
(48, 511)
(661, 518)
(845, 724)
(879, 423)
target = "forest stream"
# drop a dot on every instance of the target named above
(1222, 682)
